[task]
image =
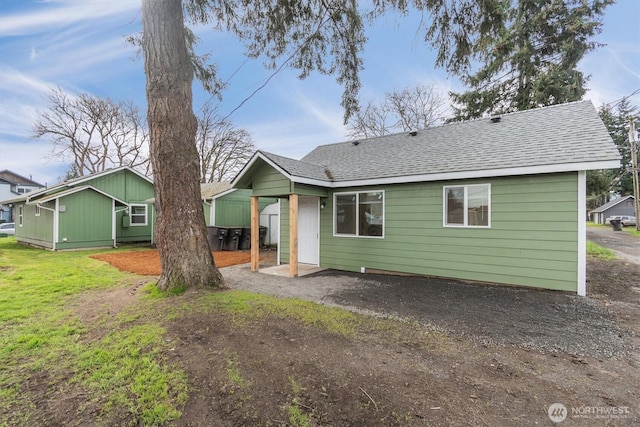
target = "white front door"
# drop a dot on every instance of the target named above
(308, 230)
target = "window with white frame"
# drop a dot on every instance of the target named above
(359, 214)
(37, 210)
(138, 215)
(20, 215)
(467, 205)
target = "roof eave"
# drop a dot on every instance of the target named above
(488, 173)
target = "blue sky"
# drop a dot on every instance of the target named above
(79, 45)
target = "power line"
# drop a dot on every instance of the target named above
(619, 101)
(272, 75)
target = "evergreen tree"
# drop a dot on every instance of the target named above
(529, 56)
(616, 119)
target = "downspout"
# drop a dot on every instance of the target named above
(153, 223)
(56, 226)
(212, 211)
(113, 221)
(279, 231)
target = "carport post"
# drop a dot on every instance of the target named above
(255, 233)
(293, 235)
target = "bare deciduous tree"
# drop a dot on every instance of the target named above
(223, 148)
(419, 107)
(93, 133)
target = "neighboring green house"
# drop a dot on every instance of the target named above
(500, 200)
(225, 206)
(98, 210)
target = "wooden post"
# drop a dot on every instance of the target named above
(255, 233)
(293, 235)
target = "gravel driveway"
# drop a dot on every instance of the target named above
(623, 244)
(527, 318)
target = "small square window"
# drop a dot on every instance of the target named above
(138, 215)
(467, 205)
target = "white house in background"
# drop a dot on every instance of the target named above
(13, 185)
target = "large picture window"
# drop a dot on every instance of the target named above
(467, 205)
(359, 214)
(138, 215)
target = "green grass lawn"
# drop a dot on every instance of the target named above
(40, 335)
(115, 363)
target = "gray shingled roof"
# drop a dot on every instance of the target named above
(299, 168)
(611, 204)
(556, 135)
(210, 189)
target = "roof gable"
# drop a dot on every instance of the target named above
(74, 190)
(14, 178)
(611, 204)
(76, 182)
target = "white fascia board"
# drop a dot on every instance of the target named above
(488, 173)
(140, 174)
(443, 176)
(224, 193)
(108, 172)
(257, 155)
(57, 196)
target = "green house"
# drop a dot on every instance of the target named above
(99, 210)
(226, 206)
(223, 206)
(499, 200)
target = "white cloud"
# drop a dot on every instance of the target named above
(61, 14)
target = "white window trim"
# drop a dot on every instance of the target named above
(37, 210)
(20, 215)
(131, 215)
(357, 193)
(465, 223)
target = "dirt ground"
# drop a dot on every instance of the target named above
(147, 262)
(499, 363)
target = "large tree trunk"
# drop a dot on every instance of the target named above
(180, 228)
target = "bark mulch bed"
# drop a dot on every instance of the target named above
(147, 263)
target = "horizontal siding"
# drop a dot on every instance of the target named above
(309, 190)
(234, 209)
(532, 240)
(269, 182)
